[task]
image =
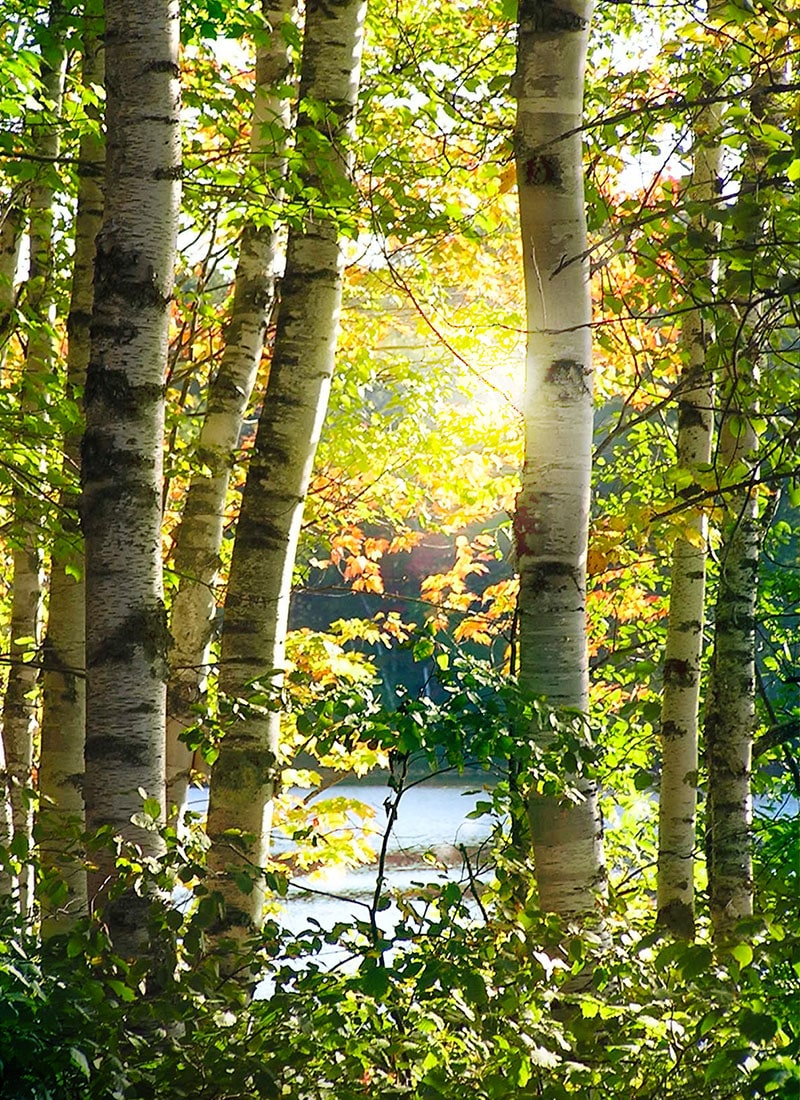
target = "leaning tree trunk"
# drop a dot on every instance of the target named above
(61, 818)
(730, 719)
(20, 704)
(126, 632)
(256, 609)
(677, 835)
(551, 523)
(199, 535)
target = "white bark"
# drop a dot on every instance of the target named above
(199, 535)
(126, 634)
(12, 228)
(730, 713)
(61, 816)
(20, 703)
(551, 523)
(256, 609)
(684, 645)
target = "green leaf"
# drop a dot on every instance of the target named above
(758, 1027)
(75, 947)
(244, 882)
(423, 649)
(743, 953)
(152, 807)
(79, 1059)
(123, 991)
(474, 987)
(375, 981)
(697, 960)
(642, 780)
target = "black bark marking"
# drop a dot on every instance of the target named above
(245, 768)
(117, 472)
(678, 673)
(102, 747)
(570, 377)
(545, 573)
(689, 416)
(145, 629)
(122, 274)
(164, 66)
(112, 387)
(264, 534)
(678, 918)
(175, 172)
(545, 17)
(671, 731)
(543, 170)
(78, 320)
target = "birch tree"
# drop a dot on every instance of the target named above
(11, 232)
(730, 718)
(64, 663)
(20, 703)
(12, 227)
(199, 535)
(126, 633)
(551, 523)
(257, 603)
(677, 836)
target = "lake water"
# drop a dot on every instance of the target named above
(432, 818)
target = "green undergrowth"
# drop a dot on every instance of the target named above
(492, 1001)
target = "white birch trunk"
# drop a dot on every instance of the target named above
(551, 523)
(730, 712)
(256, 609)
(199, 535)
(61, 817)
(126, 632)
(12, 228)
(20, 703)
(677, 837)
(730, 718)
(11, 233)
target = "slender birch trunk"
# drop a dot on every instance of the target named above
(551, 523)
(12, 229)
(256, 609)
(199, 535)
(61, 815)
(20, 703)
(730, 711)
(730, 718)
(677, 836)
(126, 631)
